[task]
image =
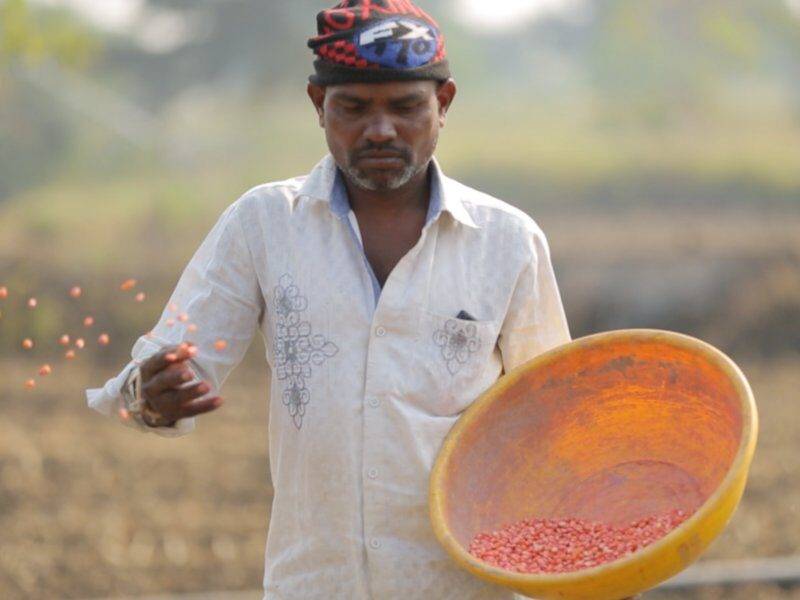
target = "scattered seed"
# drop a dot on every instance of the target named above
(103, 340)
(88, 321)
(27, 343)
(30, 384)
(80, 343)
(170, 322)
(140, 297)
(45, 370)
(69, 354)
(3, 293)
(171, 357)
(191, 327)
(124, 414)
(183, 318)
(75, 292)
(32, 302)
(220, 345)
(173, 307)
(64, 340)
(127, 285)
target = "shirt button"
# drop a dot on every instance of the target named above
(374, 402)
(373, 473)
(380, 332)
(375, 543)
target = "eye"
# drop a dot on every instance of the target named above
(353, 109)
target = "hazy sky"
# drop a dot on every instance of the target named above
(491, 14)
(117, 14)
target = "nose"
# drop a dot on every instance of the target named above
(380, 130)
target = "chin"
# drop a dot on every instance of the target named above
(382, 184)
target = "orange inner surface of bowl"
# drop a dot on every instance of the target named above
(610, 433)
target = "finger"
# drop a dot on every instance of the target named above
(157, 362)
(187, 394)
(199, 407)
(183, 352)
(167, 356)
(169, 379)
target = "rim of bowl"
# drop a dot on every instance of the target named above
(744, 453)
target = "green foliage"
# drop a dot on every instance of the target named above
(33, 136)
(35, 35)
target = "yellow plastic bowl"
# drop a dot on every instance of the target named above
(611, 427)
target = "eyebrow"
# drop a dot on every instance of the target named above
(345, 97)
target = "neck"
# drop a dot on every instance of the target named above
(414, 195)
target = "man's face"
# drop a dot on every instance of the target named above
(382, 134)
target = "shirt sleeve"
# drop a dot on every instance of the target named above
(535, 321)
(220, 293)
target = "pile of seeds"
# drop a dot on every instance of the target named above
(564, 545)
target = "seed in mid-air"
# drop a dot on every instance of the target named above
(75, 292)
(32, 302)
(3, 293)
(27, 343)
(128, 284)
(69, 354)
(64, 340)
(140, 297)
(30, 384)
(45, 370)
(103, 339)
(80, 343)
(88, 321)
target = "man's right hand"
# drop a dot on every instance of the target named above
(163, 374)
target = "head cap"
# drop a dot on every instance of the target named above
(372, 41)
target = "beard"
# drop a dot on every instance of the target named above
(362, 180)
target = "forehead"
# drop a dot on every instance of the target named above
(382, 92)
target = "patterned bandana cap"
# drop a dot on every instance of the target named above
(369, 41)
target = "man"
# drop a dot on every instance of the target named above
(389, 297)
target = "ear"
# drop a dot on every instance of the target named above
(317, 95)
(445, 93)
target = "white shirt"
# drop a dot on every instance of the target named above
(364, 386)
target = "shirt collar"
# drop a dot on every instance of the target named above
(445, 196)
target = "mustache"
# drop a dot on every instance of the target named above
(373, 149)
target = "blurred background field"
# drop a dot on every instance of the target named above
(656, 142)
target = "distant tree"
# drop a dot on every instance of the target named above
(33, 136)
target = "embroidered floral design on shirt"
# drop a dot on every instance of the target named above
(458, 341)
(296, 348)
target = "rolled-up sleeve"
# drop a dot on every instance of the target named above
(220, 293)
(535, 321)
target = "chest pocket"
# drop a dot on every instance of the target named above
(461, 359)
